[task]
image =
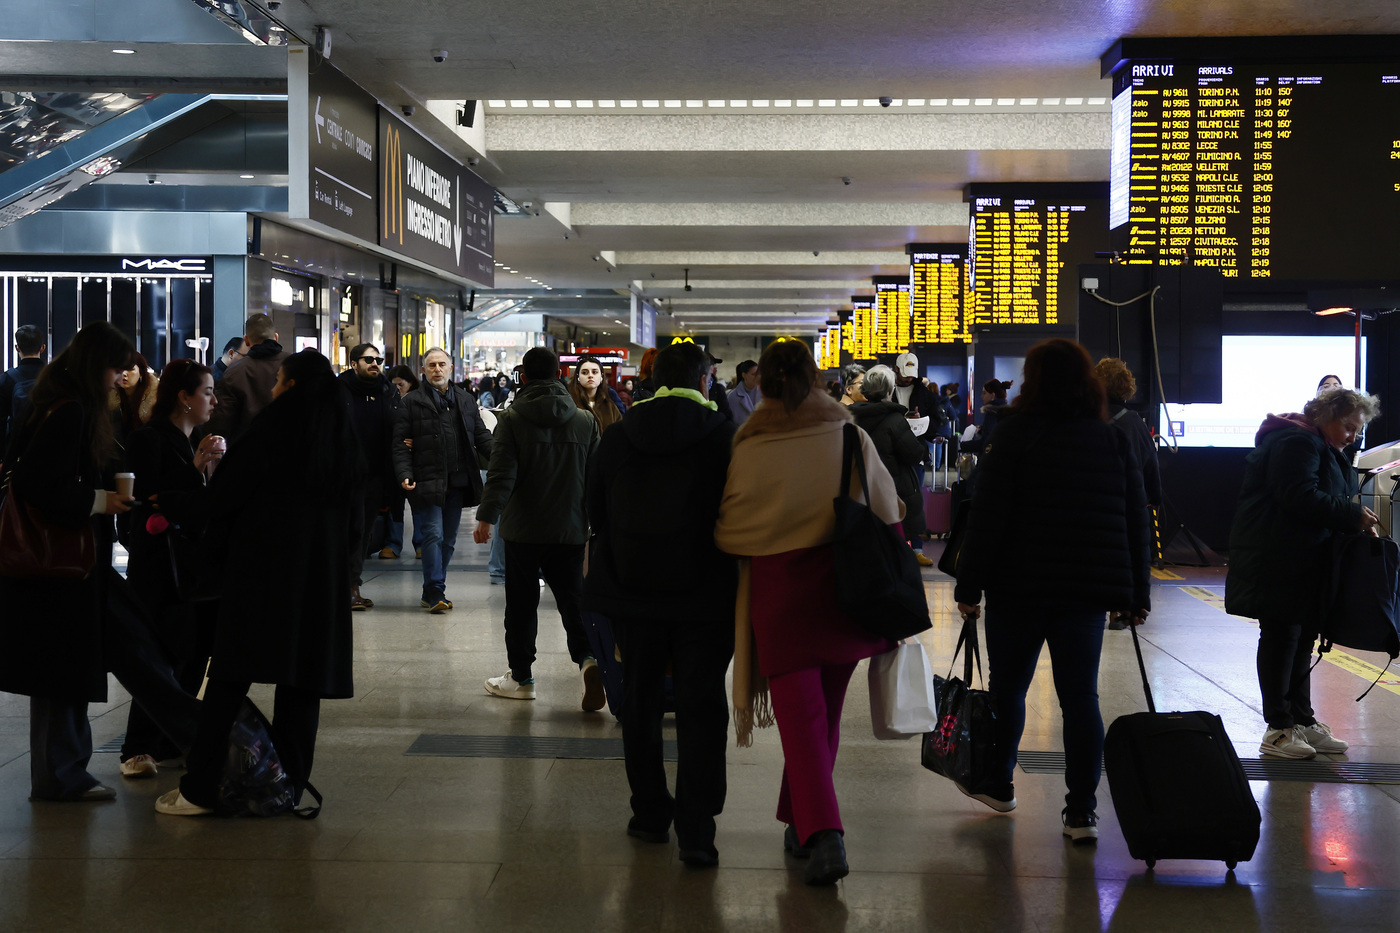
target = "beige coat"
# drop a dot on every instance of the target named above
(782, 478)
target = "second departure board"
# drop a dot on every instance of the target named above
(891, 313)
(1286, 171)
(937, 273)
(863, 332)
(1024, 243)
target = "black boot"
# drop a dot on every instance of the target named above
(828, 859)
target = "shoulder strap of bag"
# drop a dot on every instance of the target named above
(1142, 668)
(967, 636)
(309, 812)
(851, 454)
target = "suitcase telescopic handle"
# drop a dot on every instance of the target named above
(1142, 668)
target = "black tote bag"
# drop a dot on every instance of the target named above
(877, 576)
(963, 748)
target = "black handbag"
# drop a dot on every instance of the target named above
(877, 576)
(964, 746)
(1364, 608)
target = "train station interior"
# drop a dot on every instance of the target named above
(1204, 189)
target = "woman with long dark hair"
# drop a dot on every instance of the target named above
(289, 627)
(60, 637)
(171, 462)
(589, 391)
(792, 643)
(1057, 537)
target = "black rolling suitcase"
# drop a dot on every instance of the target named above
(1177, 785)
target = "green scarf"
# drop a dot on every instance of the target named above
(692, 394)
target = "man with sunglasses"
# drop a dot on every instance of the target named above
(374, 402)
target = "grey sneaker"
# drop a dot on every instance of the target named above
(1080, 826)
(1319, 736)
(1286, 743)
(507, 686)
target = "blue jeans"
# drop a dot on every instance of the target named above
(496, 563)
(438, 524)
(393, 535)
(1015, 633)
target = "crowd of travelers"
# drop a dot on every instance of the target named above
(696, 518)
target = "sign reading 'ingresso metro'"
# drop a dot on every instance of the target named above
(431, 208)
(372, 176)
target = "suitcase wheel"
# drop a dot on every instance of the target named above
(1151, 864)
(1230, 865)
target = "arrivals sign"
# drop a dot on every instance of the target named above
(431, 208)
(341, 140)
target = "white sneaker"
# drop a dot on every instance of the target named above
(1286, 743)
(507, 686)
(139, 766)
(593, 694)
(1319, 736)
(173, 803)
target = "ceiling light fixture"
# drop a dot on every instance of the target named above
(627, 103)
(983, 101)
(870, 102)
(563, 104)
(520, 103)
(782, 103)
(607, 103)
(939, 102)
(828, 102)
(495, 103)
(695, 103)
(673, 104)
(850, 102)
(1097, 101)
(1074, 101)
(650, 103)
(584, 104)
(916, 102)
(759, 103)
(804, 103)
(123, 51)
(1051, 101)
(716, 103)
(539, 103)
(245, 176)
(1005, 101)
(1029, 101)
(738, 103)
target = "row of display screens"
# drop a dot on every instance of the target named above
(1271, 171)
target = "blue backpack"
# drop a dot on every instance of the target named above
(254, 783)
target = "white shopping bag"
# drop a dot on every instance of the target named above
(901, 693)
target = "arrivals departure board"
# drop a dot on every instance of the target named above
(891, 313)
(863, 331)
(1261, 170)
(1024, 243)
(937, 273)
(829, 348)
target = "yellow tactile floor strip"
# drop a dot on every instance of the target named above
(1347, 662)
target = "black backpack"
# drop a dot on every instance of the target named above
(254, 782)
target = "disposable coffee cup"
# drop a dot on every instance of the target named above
(126, 485)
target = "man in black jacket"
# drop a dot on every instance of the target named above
(654, 492)
(15, 384)
(374, 403)
(246, 387)
(441, 470)
(534, 490)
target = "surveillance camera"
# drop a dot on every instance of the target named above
(566, 236)
(816, 252)
(152, 180)
(440, 56)
(845, 179)
(409, 109)
(886, 101)
(688, 288)
(527, 204)
(597, 258)
(473, 161)
(274, 5)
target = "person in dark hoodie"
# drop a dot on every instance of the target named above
(1297, 494)
(901, 452)
(653, 497)
(374, 404)
(18, 380)
(441, 469)
(993, 402)
(534, 490)
(246, 387)
(1057, 535)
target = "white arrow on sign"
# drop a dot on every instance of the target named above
(457, 230)
(320, 120)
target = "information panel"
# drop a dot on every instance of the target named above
(937, 274)
(1024, 243)
(891, 313)
(863, 332)
(1261, 170)
(829, 349)
(433, 209)
(341, 140)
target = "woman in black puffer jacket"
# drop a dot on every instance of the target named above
(1057, 537)
(902, 453)
(1297, 493)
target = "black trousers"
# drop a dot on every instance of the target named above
(561, 565)
(186, 633)
(362, 528)
(296, 716)
(1285, 649)
(60, 739)
(698, 656)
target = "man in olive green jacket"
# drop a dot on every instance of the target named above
(535, 491)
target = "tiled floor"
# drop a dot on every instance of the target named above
(412, 843)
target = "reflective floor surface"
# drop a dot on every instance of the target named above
(423, 843)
